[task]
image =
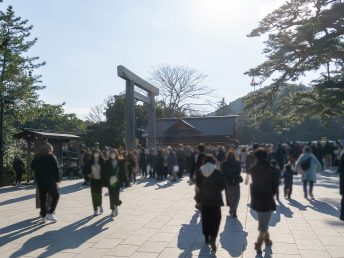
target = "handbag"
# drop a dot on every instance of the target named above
(175, 168)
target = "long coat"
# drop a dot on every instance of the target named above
(231, 169)
(46, 169)
(210, 182)
(310, 173)
(263, 187)
(171, 160)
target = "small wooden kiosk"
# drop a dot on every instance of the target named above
(34, 137)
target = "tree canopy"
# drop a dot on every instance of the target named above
(303, 38)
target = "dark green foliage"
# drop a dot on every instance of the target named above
(302, 36)
(19, 83)
(53, 117)
(274, 127)
(111, 132)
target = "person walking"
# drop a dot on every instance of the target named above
(84, 159)
(113, 177)
(160, 167)
(278, 171)
(19, 167)
(132, 167)
(210, 182)
(143, 162)
(47, 176)
(263, 188)
(198, 160)
(242, 157)
(288, 175)
(308, 165)
(172, 164)
(181, 159)
(93, 169)
(231, 168)
(221, 155)
(152, 162)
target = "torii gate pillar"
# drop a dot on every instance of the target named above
(132, 80)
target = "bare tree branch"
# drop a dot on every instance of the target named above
(180, 86)
(96, 114)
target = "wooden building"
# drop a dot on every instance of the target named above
(214, 130)
(35, 137)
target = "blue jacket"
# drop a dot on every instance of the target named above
(310, 173)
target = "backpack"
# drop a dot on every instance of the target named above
(305, 164)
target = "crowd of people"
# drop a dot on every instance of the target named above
(211, 169)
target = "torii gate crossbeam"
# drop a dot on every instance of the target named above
(132, 80)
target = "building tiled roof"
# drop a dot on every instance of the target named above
(206, 126)
(28, 133)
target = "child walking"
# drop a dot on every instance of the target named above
(288, 174)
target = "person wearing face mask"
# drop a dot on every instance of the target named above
(93, 170)
(113, 177)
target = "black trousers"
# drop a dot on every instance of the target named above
(211, 219)
(53, 192)
(114, 197)
(311, 183)
(181, 171)
(96, 193)
(19, 175)
(143, 170)
(288, 190)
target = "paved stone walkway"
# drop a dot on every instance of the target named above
(159, 220)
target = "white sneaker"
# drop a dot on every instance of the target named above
(101, 210)
(114, 212)
(51, 217)
(43, 220)
(96, 213)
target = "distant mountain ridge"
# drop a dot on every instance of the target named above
(237, 106)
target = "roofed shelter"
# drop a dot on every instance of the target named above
(215, 130)
(34, 137)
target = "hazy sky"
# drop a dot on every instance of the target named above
(83, 41)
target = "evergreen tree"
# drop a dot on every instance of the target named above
(302, 36)
(18, 81)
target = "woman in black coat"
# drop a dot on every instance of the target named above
(113, 177)
(263, 188)
(47, 176)
(210, 182)
(231, 168)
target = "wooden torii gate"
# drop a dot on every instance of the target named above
(132, 80)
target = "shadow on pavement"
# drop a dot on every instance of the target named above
(17, 199)
(69, 237)
(324, 207)
(63, 190)
(297, 205)
(72, 188)
(187, 237)
(15, 189)
(233, 239)
(19, 229)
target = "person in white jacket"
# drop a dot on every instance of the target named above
(308, 165)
